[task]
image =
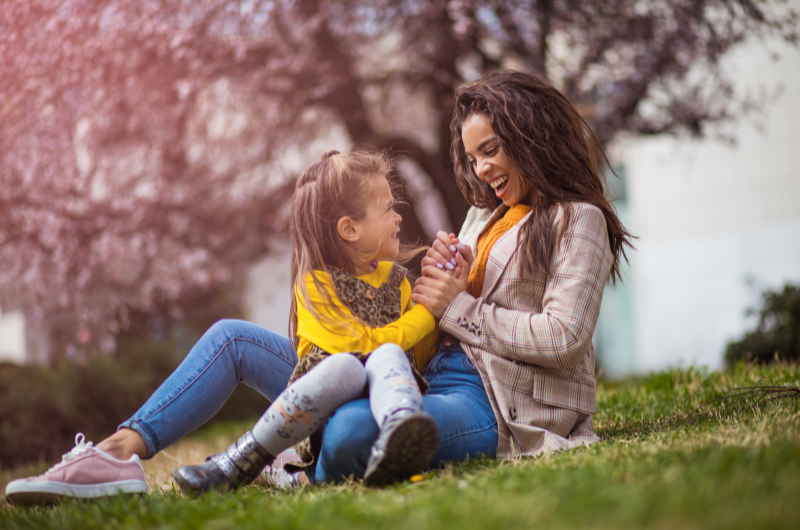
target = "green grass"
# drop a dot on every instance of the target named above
(662, 463)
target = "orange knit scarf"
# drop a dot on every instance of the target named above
(486, 241)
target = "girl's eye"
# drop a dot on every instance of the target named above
(473, 161)
(491, 151)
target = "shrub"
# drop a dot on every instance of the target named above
(777, 335)
(41, 408)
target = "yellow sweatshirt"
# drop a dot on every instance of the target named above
(416, 327)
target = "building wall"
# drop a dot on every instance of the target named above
(267, 296)
(717, 224)
(12, 337)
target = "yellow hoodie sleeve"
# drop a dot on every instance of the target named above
(425, 349)
(337, 330)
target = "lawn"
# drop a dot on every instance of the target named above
(663, 463)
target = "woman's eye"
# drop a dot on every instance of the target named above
(473, 162)
(491, 151)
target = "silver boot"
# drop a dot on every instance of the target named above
(229, 470)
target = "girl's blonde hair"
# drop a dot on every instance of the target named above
(339, 185)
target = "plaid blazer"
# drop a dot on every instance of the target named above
(531, 341)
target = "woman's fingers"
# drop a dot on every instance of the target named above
(444, 245)
(463, 267)
(466, 252)
(433, 256)
(444, 251)
(433, 273)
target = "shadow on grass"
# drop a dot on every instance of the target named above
(740, 404)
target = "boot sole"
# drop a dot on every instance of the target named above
(189, 488)
(409, 450)
(183, 484)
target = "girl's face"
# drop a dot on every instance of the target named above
(489, 162)
(377, 231)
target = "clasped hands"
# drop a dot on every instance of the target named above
(445, 269)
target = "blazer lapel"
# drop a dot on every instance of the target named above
(475, 225)
(500, 256)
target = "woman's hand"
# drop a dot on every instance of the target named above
(435, 289)
(444, 255)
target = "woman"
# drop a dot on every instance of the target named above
(515, 373)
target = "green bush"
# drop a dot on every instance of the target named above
(777, 335)
(41, 408)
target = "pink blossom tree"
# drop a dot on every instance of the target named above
(142, 142)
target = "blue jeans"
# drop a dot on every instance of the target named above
(234, 351)
(456, 399)
(229, 353)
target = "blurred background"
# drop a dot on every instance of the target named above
(148, 151)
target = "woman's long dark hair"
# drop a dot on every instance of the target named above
(550, 146)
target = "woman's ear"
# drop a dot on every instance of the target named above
(347, 229)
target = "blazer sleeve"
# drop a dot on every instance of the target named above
(560, 335)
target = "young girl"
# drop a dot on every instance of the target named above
(352, 320)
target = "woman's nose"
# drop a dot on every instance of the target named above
(483, 168)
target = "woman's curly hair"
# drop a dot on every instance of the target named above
(550, 146)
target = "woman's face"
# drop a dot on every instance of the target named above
(489, 162)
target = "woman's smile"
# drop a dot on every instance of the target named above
(500, 185)
(489, 162)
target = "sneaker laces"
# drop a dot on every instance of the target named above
(276, 475)
(81, 448)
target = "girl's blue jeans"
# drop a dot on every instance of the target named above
(234, 351)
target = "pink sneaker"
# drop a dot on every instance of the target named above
(85, 472)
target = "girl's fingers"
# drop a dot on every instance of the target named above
(444, 245)
(425, 291)
(423, 281)
(442, 249)
(428, 261)
(427, 301)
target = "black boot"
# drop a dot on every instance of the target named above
(232, 469)
(405, 446)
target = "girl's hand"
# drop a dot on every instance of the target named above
(444, 255)
(435, 289)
